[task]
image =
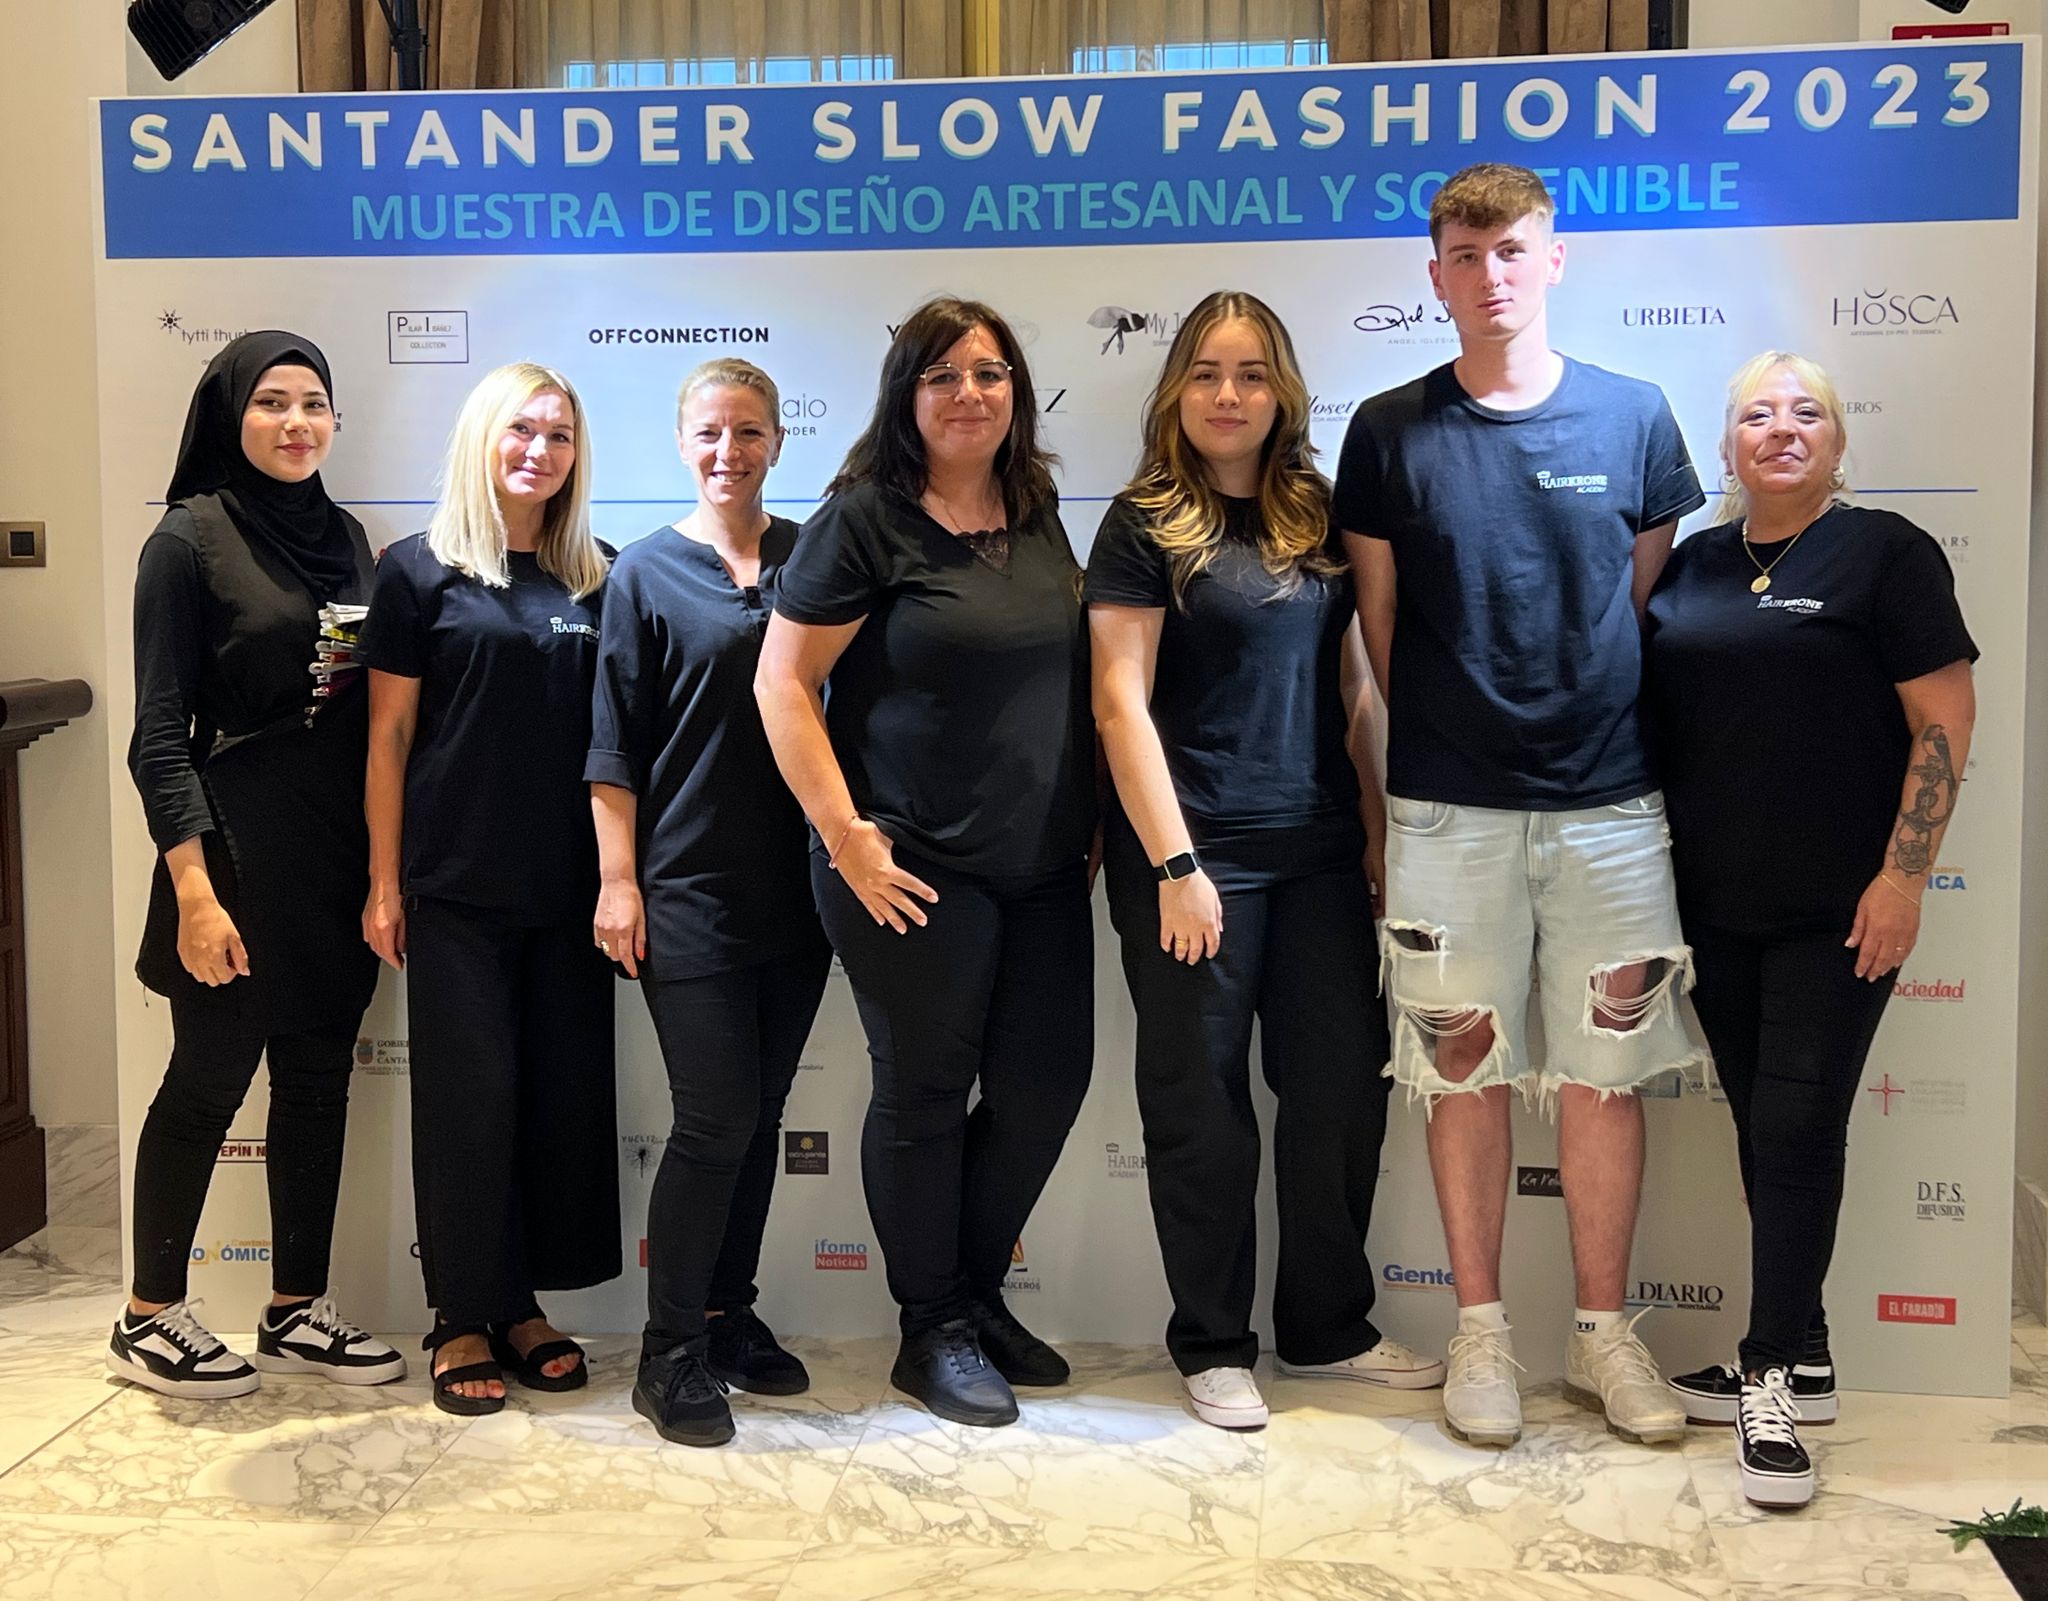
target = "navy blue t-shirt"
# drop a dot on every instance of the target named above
(1517, 656)
(1246, 693)
(497, 815)
(725, 873)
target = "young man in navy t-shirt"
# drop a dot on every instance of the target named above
(1505, 516)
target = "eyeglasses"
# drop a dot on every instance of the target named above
(944, 379)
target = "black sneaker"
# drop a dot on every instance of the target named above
(1776, 1471)
(1018, 1354)
(742, 1352)
(1713, 1394)
(678, 1395)
(945, 1369)
(315, 1338)
(173, 1353)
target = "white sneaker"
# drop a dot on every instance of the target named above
(1482, 1405)
(1615, 1374)
(1226, 1397)
(1390, 1363)
(316, 1338)
(173, 1353)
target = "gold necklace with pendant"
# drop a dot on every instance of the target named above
(1762, 581)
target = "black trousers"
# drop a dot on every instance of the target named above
(1298, 954)
(731, 1042)
(997, 990)
(1790, 1024)
(213, 1062)
(514, 1110)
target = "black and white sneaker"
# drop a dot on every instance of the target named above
(1776, 1471)
(173, 1353)
(1713, 1394)
(314, 1338)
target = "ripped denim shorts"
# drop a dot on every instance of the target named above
(1482, 903)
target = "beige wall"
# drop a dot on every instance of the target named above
(53, 620)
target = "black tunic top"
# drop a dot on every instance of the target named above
(1775, 718)
(959, 712)
(720, 839)
(497, 816)
(225, 637)
(1247, 693)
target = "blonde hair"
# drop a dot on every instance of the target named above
(1183, 510)
(1489, 194)
(467, 530)
(1742, 389)
(730, 372)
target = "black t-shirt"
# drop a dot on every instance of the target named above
(1774, 718)
(1247, 692)
(721, 843)
(497, 815)
(1517, 655)
(959, 712)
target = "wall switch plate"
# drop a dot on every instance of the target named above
(21, 545)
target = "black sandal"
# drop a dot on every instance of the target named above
(464, 1406)
(531, 1369)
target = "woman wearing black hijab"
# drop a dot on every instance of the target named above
(250, 763)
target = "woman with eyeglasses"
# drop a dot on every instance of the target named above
(949, 786)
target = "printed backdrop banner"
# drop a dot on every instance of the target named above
(1871, 206)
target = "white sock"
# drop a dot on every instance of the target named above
(1596, 1322)
(1486, 1315)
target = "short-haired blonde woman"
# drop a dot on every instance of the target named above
(1809, 681)
(706, 896)
(1228, 685)
(482, 648)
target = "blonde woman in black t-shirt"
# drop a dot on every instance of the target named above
(1229, 691)
(1806, 659)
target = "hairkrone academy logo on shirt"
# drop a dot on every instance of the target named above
(1789, 603)
(564, 626)
(1577, 483)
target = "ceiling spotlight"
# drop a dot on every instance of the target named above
(177, 34)
(1953, 7)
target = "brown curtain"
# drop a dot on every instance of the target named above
(1047, 35)
(497, 44)
(1423, 30)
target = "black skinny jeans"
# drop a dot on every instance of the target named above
(997, 990)
(213, 1062)
(1298, 954)
(1790, 1024)
(731, 1042)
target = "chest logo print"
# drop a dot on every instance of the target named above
(1804, 607)
(562, 626)
(1577, 483)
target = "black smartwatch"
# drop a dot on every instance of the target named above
(1182, 866)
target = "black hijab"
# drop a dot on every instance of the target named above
(297, 523)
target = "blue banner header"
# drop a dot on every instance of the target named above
(1856, 134)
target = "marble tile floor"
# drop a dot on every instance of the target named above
(309, 1492)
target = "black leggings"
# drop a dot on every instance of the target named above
(1297, 954)
(997, 990)
(731, 1042)
(515, 1140)
(213, 1061)
(1790, 1024)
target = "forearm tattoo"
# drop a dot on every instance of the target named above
(1934, 799)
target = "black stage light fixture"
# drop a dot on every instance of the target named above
(1953, 7)
(177, 35)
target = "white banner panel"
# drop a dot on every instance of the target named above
(1872, 207)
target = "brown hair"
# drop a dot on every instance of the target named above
(890, 450)
(1489, 194)
(730, 372)
(1182, 510)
